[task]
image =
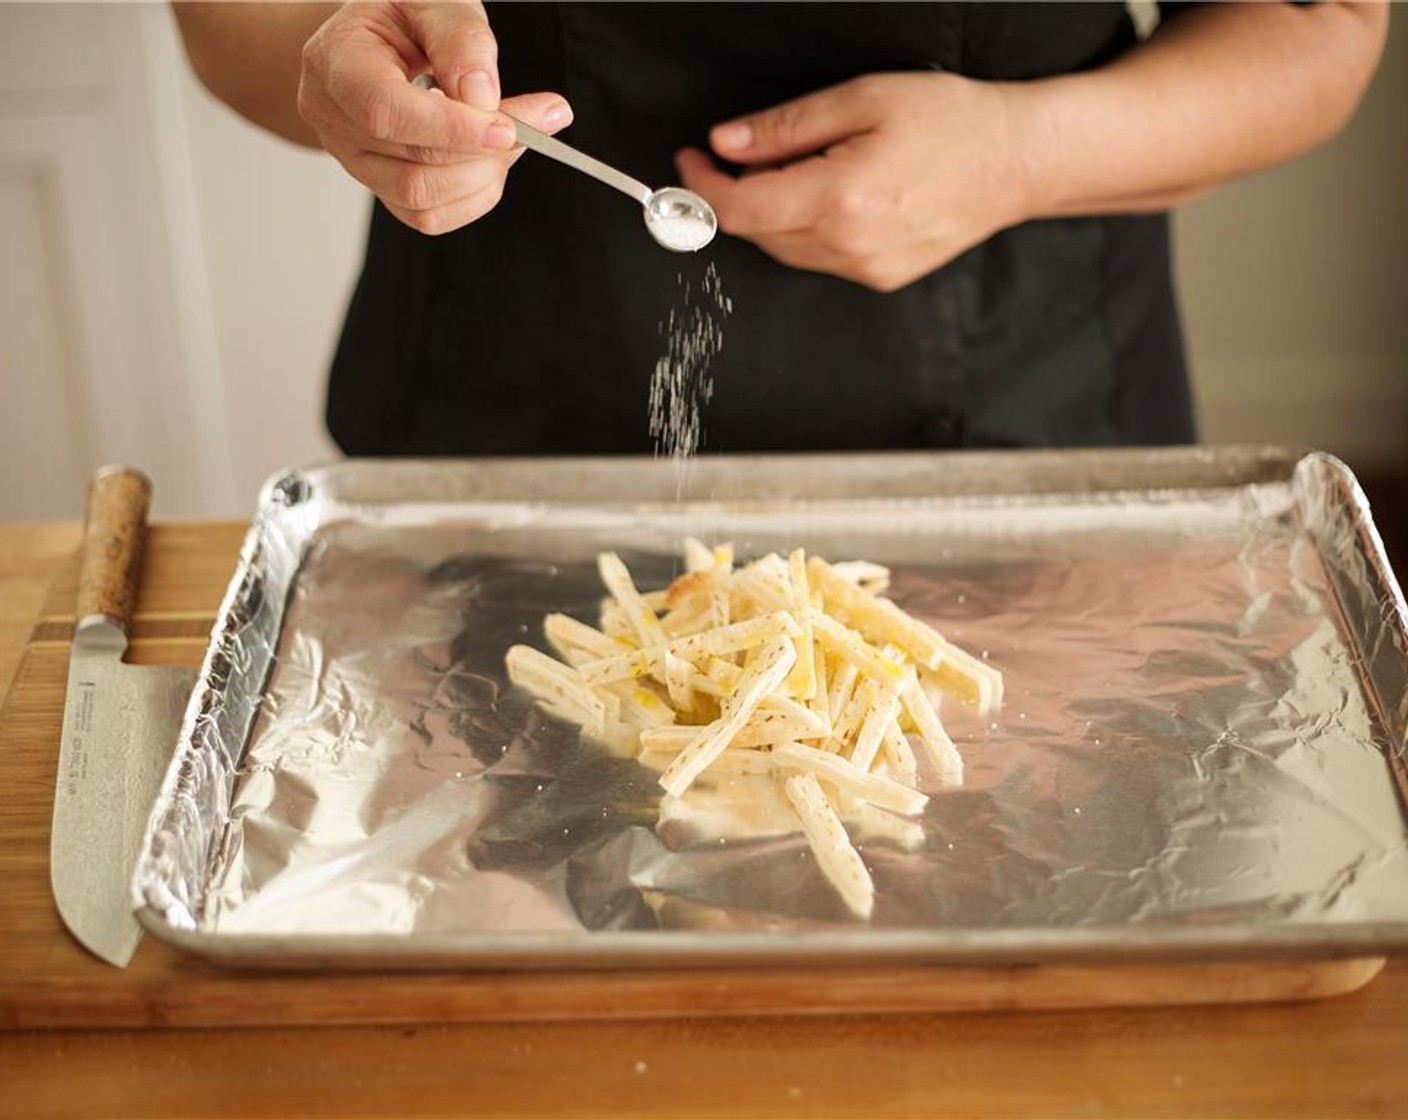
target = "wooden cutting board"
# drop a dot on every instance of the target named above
(48, 980)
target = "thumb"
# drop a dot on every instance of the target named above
(547, 112)
(460, 48)
(792, 129)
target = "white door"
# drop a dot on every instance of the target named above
(171, 279)
(106, 346)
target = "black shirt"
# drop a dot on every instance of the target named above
(535, 330)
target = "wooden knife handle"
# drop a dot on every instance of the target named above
(114, 528)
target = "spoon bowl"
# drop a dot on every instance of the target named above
(677, 218)
(680, 219)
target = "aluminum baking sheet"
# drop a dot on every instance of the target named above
(1201, 752)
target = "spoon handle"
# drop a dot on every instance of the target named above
(546, 145)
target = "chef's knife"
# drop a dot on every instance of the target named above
(120, 728)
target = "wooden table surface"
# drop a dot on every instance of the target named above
(1343, 1056)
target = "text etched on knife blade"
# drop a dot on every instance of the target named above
(76, 769)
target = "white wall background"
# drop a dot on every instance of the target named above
(1295, 283)
(1295, 289)
(283, 229)
(171, 279)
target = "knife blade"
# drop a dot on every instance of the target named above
(120, 727)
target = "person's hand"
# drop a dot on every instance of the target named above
(879, 180)
(437, 160)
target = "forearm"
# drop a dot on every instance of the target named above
(249, 56)
(1216, 93)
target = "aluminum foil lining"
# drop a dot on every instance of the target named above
(1204, 723)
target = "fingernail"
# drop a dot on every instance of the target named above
(736, 135)
(500, 135)
(557, 116)
(477, 89)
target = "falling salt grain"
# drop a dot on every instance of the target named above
(681, 385)
(641, 1067)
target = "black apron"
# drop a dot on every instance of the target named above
(536, 329)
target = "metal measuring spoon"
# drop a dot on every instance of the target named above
(677, 218)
